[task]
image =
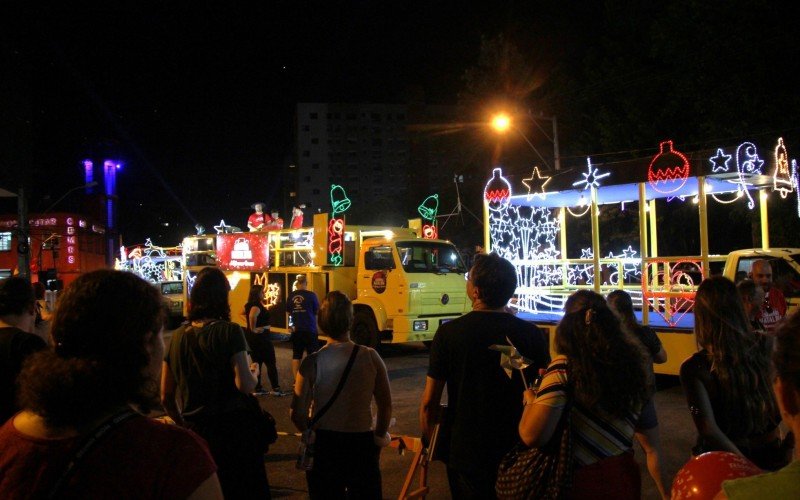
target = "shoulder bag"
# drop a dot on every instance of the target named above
(539, 473)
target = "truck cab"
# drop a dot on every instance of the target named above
(785, 263)
(406, 288)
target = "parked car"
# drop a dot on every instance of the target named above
(173, 291)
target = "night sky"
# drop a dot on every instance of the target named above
(197, 98)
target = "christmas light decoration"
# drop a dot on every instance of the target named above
(720, 161)
(590, 177)
(536, 184)
(221, 227)
(272, 295)
(672, 293)
(747, 163)
(580, 214)
(339, 204)
(153, 263)
(796, 182)
(781, 177)
(339, 200)
(428, 210)
(335, 243)
(668, 170)
(497, 192)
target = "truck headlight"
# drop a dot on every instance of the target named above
(420, 325)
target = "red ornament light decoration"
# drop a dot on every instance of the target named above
(668, 170)
(429, 232)
(497, 192)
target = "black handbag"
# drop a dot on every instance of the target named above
(265, 429)
(540, 473)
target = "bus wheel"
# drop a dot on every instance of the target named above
(365, 331)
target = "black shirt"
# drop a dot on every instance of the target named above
(15, 346)
(484, 405)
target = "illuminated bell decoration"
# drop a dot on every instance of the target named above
(781, 177)
(339, 200)
(429, 208)
(497, 192)
(668, 170)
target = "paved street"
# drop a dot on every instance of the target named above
(407, 366)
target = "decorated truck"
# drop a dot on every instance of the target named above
(403, 286)
(557, 215)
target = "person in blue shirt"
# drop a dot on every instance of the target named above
(303, 306)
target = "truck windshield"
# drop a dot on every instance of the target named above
(429, 257)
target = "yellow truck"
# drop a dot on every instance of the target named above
(531, 230)
(402, 286)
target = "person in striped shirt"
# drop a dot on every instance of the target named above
(600, 370)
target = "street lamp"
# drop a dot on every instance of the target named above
(501, 123)
(82, 186)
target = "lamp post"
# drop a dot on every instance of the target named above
(502, 122)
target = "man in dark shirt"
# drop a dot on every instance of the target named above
(303, 306)
(484, 405)
(17, 315)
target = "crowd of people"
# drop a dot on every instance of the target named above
(75, 408)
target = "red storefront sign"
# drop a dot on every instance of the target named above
(242, 252)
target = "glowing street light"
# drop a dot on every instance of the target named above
(501, 122)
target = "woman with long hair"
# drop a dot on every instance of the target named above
(600, 372)
(257, 334)
(347, 443)
(727, 383)
(786, 385)
(89, 394)
(647, 432)
(206, 376)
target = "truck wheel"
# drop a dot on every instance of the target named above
(365, 331)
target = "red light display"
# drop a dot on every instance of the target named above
(242, 252)
(668, 170)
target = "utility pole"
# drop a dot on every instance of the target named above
(23, 242)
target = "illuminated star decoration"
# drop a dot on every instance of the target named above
(536, 184)
(590, 177)
(221, 227)
(720, 161)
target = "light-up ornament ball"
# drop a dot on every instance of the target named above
(668, 170)
(497, 192)
(702, 476)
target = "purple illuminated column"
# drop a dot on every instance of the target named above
(110, 168)
(88, 170)
(110, 177)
